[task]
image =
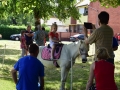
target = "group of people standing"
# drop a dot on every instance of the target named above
(28, 36)
(39, 36)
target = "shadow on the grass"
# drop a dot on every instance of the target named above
(52, 76)
(7, 61)
(6, 67)
(79, 76)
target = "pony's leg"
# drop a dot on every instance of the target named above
(64, 74)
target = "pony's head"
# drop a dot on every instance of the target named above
(84, 48)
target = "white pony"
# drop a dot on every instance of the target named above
(69, 52)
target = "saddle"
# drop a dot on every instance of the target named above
(46, 52)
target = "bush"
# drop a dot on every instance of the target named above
(6, 30)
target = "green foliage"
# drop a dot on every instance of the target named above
(6, 31)
(61, 9)
(20, 19)
(108, 3)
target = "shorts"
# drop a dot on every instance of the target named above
(29, 42)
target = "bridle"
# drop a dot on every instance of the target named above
(82, 51)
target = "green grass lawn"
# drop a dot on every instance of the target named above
(52, 76)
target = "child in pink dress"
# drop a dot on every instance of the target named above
(23, 44)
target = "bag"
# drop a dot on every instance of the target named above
(93, 87)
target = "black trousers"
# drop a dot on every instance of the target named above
(110, 60)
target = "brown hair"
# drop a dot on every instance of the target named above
(103, 17)
(23, 31)
(33, 48)
(29, 26)
(102, 53)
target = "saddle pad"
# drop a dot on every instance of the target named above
(46, 53)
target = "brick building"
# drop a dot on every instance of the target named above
(114, 13)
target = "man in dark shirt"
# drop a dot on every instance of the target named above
(28, 36)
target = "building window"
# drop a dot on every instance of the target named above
(81, 10)
(78, 1)
(85, 11)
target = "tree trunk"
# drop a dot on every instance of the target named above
(37, 17)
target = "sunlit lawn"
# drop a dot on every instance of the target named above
(52, 76)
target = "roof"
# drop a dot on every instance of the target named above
(83, 3)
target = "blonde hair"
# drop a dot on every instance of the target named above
(102, 53)
(54, 25)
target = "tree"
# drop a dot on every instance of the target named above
(41, 9)
(108, 3)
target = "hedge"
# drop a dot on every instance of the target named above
(6, 30)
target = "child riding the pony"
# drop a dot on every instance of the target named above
(53, 39)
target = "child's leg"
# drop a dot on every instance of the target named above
(25, 52)
(27, 49)
(52, 51)
(22, 54)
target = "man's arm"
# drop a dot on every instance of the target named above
(41, 83)
(14, 75)
(92, 38)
